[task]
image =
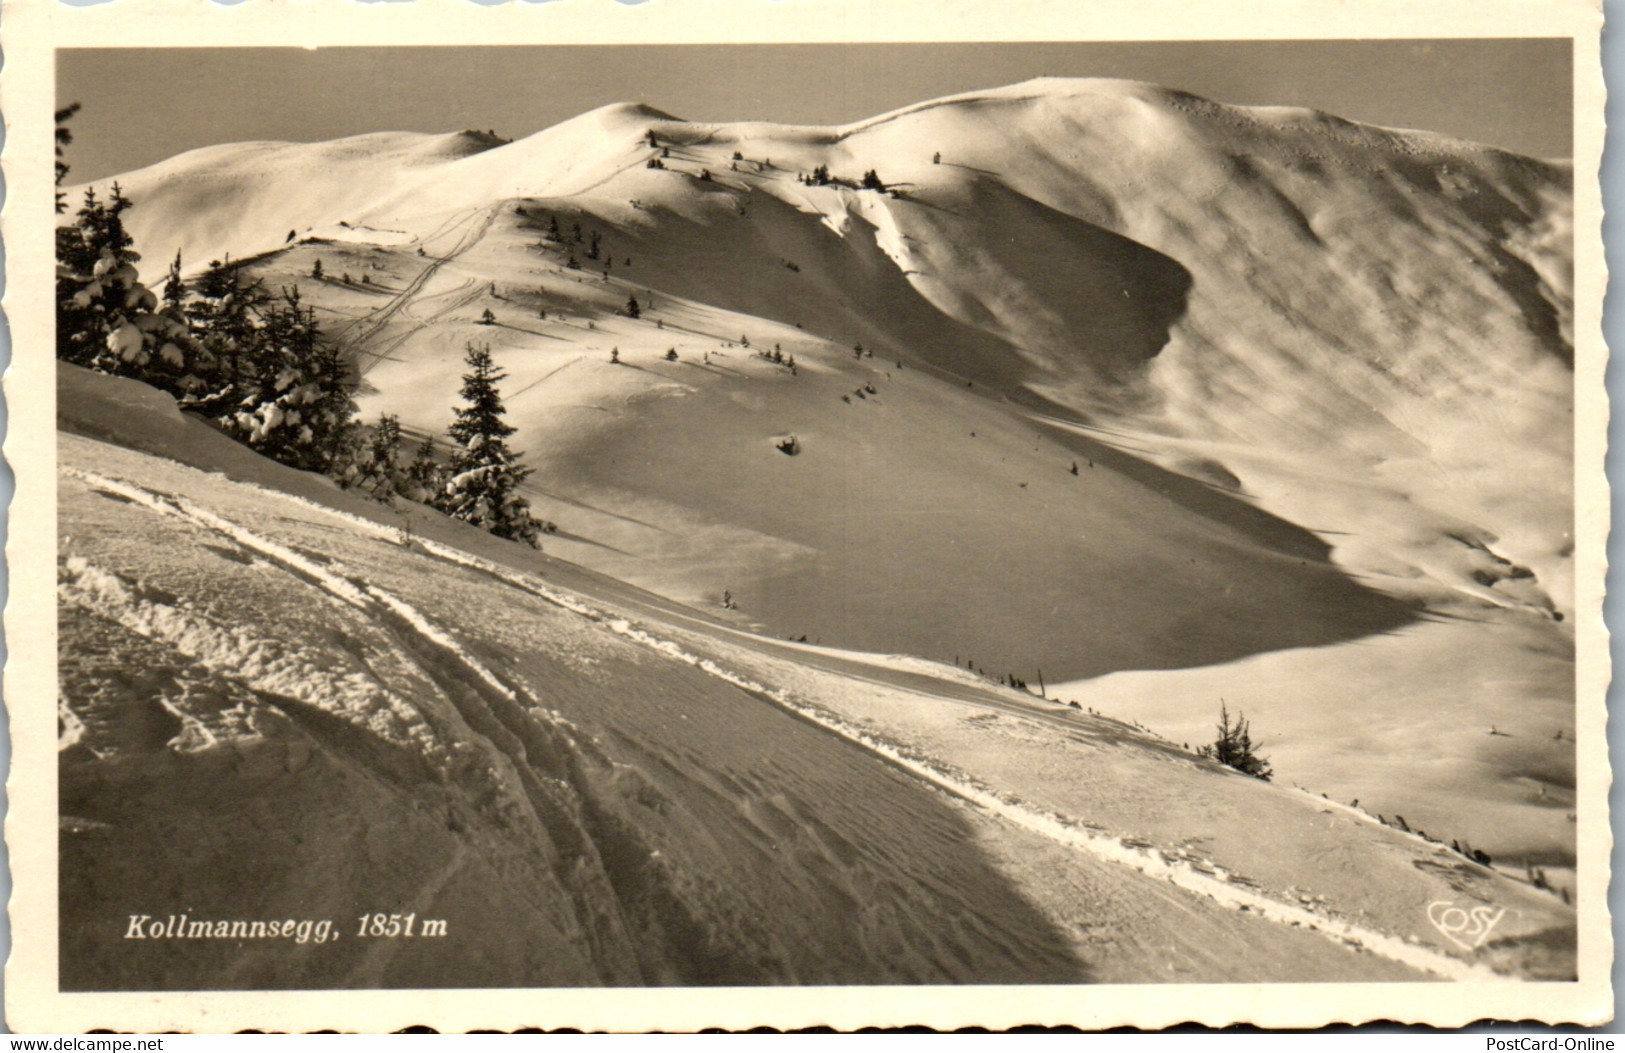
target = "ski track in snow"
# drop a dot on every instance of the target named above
(366, 598)
(180, 507)
(1067, 831)
(430, 631)
(370, 325)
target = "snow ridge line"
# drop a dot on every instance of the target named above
(1051, 825)
(1072, 833)
(362, 596)
(181, 508)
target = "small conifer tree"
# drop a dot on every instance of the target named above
(228, 315)
(174, 288)
(297, 406)
(483, 488)
(1235, 747)
(64, 139)
(425, 478)
(180, 366)
(378, 468)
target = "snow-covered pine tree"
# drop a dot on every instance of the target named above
(378, 469)
(175, 288)
(483, 488)
(227, 316)
(425, 478)
(331, 409)
(295, 405)
(181, 365)
(81, 311)
(106, 319)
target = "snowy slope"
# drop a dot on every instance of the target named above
(1163, 400)
(305, 700)
(1328, 318)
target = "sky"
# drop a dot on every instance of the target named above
(141, 105)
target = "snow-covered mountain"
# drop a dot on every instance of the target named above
(1161, 400)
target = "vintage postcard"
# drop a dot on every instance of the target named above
(841, 513)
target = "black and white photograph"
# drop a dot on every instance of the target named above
(801, 514)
